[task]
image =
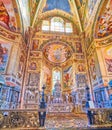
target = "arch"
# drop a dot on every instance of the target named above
(58, 13)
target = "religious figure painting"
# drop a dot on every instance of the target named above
(109, 65)
(32, 65)
(34, 79)
(47, 75)
(105, 21)
(7, 15)
(93, 69)
(4, 53)
(108, 59)
(21, 66)
(81, 68)
(35, 45)
(67, 77)
(78, 47)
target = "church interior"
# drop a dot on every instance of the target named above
(57, 52)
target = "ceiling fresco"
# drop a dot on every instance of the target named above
(7, 15)
(57, 4)
(25, 12)
(57, 53)
(104, 22)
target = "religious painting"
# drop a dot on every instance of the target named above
(7, 15)
(4, 53)
(34, 79)
(105, 21)
(32, 65)
(93, 69)
(35, 45)
(57, 4)
(78, 47)
(21, 66)
(57, 53)
(47, 76)
(108, 59)
(68, 77)
(80, 68)
(81, 80)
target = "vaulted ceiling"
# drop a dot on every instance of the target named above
(20, 14)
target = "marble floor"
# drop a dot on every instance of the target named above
(66, 121)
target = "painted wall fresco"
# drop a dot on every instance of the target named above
(57, 4)
(47, 76)
(94, 69)
(7, 15)
(108, 59)
(35, 45)
(81, 68)
(57, 53)
(67, 77)
(4, 53)
(78, 47)
(81, 80)
(105, 21)
(21, 66)
(34, 79)
(32, 65)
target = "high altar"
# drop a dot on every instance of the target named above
(57, 102)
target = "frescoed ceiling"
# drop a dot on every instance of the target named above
(9, 15)
(104, 21)
(57, 53)
(18, 15)
(57, 4)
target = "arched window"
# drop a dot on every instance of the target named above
(57, 24)
(45, 25)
